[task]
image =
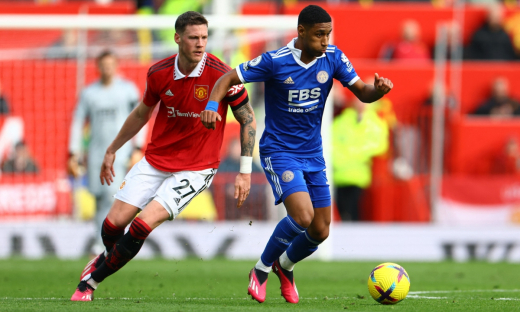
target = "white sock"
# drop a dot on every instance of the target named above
(91, 281)
(286, 263)
(262, 267)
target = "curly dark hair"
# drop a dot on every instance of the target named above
(313, 14)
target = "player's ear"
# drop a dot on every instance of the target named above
(301, 30)
(177, 38)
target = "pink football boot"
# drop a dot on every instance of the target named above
(255, 289)
(288, 287)
(84, 292)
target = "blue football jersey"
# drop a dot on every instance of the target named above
(295, 95)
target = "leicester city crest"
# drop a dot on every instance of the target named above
(322, 76)
(287, 176)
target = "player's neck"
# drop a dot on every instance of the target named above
(185, 65)
(106, 81)
(305, 57)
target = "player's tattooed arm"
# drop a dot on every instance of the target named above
(246, 117)
(367, 93)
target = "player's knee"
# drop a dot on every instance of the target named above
(121, 214)
(322, 234)
(116, 220)
(320, 231)
(304, 218)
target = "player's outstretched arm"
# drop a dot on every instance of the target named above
(370, 93)
(209, 116)
(133, 123)
(246, 117)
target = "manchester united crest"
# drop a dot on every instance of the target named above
(201, 92)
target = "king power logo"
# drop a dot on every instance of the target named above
(177, 113)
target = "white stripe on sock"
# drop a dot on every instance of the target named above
(296, 228)
(312, 240)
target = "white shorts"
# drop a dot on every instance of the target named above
(173, 190)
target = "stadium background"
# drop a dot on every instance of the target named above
(469, 212)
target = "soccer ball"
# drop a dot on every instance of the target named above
(388, 283)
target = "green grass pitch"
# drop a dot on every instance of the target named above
(221, 285)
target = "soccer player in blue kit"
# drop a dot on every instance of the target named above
(298, 79)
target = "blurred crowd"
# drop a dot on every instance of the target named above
(356, 128)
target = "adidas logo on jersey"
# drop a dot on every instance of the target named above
(289, 81)
(169, 93)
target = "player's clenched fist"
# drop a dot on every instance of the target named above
(382, 85)
(209, 119)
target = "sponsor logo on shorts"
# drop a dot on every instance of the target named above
(201, 92)
(322, 76)
(288, 176)
(122, 185)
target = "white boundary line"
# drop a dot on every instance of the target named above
(424, 297)
(516, 299)
(461, 291)
(411, 295)
(418, 294)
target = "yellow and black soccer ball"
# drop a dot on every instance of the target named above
(388, 283)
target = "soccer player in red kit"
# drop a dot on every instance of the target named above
(182, 157)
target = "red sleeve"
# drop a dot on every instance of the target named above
(236, 97)
(150, 97)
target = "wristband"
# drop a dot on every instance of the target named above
(246, 164)
(212, 106)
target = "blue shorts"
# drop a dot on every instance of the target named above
(288, 175)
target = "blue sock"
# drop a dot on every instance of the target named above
(284, 233)
(302, 247)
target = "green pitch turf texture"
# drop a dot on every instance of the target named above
(221, 285)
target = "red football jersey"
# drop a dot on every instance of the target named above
(179, 140)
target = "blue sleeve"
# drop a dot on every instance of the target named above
(344, 71)
(258, 69)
